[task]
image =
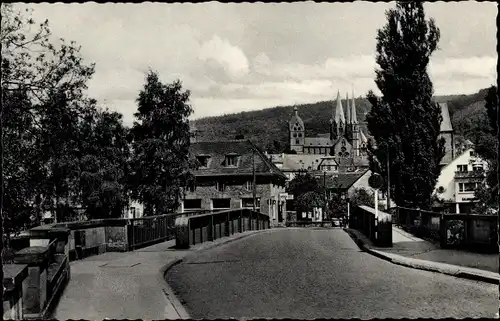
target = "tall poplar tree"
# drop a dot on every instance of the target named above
(404, 121)
(160, 164)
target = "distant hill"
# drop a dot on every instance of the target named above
(268, 128)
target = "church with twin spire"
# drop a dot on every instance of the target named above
(345, 140)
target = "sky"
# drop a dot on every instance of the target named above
(250, 56)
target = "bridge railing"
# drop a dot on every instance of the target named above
(377, 229)
(309, 224)
(195, 229)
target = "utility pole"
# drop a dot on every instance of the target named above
(324, 196)
(254, 179)
(388, 180)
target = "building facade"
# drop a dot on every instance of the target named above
(345, 138)
(224, 180)
(458, 180)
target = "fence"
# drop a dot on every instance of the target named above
(37, 276)
(197, 229)
(451, 230)
(104, 235)
(377, 229)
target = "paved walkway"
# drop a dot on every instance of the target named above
(127, 285)
(415, 252)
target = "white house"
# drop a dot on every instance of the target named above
(458, 180)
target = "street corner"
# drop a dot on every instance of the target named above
(357, 239)
(174, 309)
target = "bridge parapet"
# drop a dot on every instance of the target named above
(190, 230)
(377, 228)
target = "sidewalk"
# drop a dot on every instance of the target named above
(411, 251)
(128, 285)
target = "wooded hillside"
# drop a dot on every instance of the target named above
(268, 128)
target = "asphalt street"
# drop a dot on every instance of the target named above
(318, 273)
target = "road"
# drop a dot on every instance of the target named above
(318, 273)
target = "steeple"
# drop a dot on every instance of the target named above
(339, 111)
(354, 118)
(348, 118)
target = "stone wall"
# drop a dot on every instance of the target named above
(238, 189)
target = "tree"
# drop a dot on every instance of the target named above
(37, 75)
(404, 121)
(309, 200)
(486, 145)
(362, 197)
(103, 163)
(160, 165)
(303, 183)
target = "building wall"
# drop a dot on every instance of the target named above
(266, 191)
(447, 179)
(338, 147)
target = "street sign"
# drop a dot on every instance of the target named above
(375, 181)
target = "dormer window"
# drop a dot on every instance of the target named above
(203, 160)
(231, 160)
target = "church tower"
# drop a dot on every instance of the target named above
(339, 119)
(297, 132)
(355, 128)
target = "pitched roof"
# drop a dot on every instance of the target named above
(295, 162)
(446, 123)
(243, 148)
(295, 120)
(342, 180)
(317, 141)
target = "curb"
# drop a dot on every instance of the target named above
(457, 273)
(169, 293)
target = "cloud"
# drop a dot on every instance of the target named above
(470, 67)
(272, 54)
(223, 61)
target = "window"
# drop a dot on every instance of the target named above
(221, 203)
(192, 204)
(249, 185)
(297, 142)
(221, 186)
(231, 160)
(300, 134)
(203, 160)
(191, 187)
(472, 154)
(467, 187)
(294, 134)
(477, 167)
(461, 168)
(247, 202)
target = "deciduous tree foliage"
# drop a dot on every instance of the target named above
(160, 165)
(404, 121)
(303, 183)
(486, 145)
(49, 126)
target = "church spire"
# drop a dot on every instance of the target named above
(348, 116)
(339, 111)
(354, 118)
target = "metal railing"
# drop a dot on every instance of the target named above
(195, 229)
(151, 229)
